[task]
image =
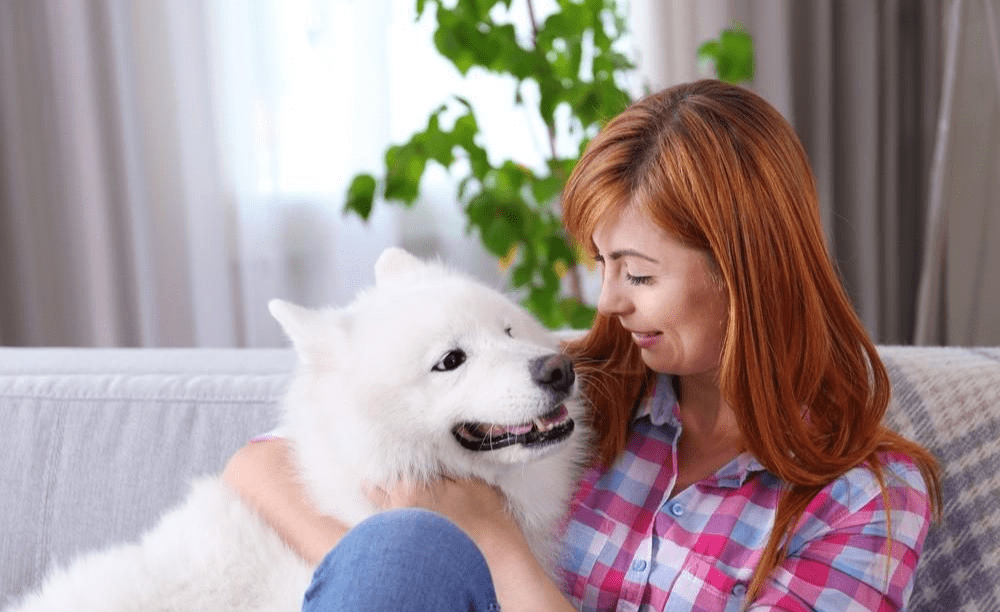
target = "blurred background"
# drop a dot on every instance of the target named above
(167, 166)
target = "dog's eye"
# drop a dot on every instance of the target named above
(450, 361)
(508, 330)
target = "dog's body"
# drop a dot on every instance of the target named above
(426, 374)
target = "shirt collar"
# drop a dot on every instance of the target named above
(735, 473)
(661, 405)
(662, 409)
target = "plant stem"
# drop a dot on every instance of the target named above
(575, 284)
(534, 44)
(534, 25)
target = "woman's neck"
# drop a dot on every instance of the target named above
(710, 436)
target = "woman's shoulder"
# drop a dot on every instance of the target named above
(896, 473)
(889, 499)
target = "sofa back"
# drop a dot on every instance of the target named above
(97, 443)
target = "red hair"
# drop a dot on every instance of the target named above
(718, 167)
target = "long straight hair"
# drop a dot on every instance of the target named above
(719, 168)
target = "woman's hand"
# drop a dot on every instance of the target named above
(480, 510)
(476, 507)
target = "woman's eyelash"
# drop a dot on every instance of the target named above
(638, 280)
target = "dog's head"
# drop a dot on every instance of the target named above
(433, 367)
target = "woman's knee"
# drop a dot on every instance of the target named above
(397, 556)
(410, 529)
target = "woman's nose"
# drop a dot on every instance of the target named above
(612, 301)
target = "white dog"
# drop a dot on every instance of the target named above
(427, 373)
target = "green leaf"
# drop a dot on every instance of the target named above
(545, 190)
(500, 236)
(732, 55)
(465, 130)
(542, 303)
(361, 195)
(576, 314)
(521, 275)
(479, 210)
(436, 144)
(559, 249)
(454, 48)
(404, 169)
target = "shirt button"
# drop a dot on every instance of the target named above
(739, 589)
(638, 565)
(676, 509)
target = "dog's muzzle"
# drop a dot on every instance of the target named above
(553, 374)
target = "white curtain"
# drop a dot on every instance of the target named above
(108, 178)
(960, 283)
(302, 98)
(167, 167)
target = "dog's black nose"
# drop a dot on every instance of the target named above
(554, 372)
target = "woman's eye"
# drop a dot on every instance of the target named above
(450, 361)
(639, 280)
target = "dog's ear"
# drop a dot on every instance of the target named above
(394, 263)
(318, 335)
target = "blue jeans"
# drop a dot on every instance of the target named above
(407, 560)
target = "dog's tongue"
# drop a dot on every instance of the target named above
(553, 418)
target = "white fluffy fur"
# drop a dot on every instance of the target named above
(364, 407)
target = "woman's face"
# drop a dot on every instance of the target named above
(663, 293)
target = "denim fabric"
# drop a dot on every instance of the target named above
(407, 559)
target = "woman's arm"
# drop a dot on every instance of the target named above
(261, 473)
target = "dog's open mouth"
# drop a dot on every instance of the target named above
(552, 426)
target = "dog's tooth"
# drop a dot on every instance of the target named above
(470, 432)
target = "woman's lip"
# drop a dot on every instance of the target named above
(645, 339)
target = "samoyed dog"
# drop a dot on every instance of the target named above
(428, 373)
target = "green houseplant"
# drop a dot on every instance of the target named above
(573, 60)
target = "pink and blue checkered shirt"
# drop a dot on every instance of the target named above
(629, 545)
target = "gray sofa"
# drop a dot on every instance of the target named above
(96, 443)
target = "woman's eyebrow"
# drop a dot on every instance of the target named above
(614, 255)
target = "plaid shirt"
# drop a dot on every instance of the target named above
(630, 546)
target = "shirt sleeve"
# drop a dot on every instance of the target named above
(856, 548)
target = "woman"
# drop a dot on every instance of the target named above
(739, 402)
